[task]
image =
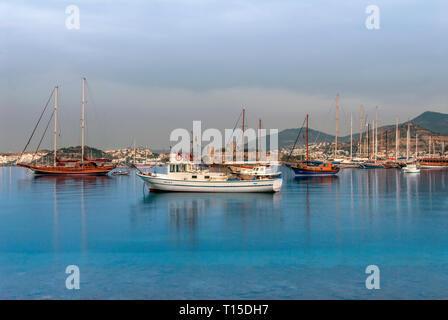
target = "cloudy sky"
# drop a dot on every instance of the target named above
(156, 65)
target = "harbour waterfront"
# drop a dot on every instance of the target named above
(312, 240)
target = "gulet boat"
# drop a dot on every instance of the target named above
(82, 166)
(314, 169)
(434, 163)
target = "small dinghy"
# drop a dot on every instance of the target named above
(411, 168)
(120, 172)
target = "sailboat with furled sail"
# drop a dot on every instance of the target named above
(82, 166)
(311, 168)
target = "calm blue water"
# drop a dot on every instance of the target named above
(313, 240)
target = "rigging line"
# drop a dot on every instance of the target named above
(60, 106)
(86, 130)
(315, 140)
(90, 95)
(236, 124)
(298, 136)
(43, 135)
(330, 109)
(345, 117)
(37, 124)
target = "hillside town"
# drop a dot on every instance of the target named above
(139, 156)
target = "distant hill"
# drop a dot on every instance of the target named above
(427, 124)
(287, 137)
(434, 121)
(75, 153)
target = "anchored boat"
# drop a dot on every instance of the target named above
(249, 172)
(191, 177)
(83, 166)
(71, 168)
(411, 168)
(434, 163)
(371, 165)
(311, 168)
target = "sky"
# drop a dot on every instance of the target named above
(156, 65)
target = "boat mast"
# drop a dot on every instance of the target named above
(387, 143)
(360, 130)
(397, 139)
(373, 140)
(83, 118)
(259, 138)
(408, 137)
(368, 141)
(55, 124)
(366, 138)
(416, 145)
(381, 139)
(134, 151)
(431, 144)
(337, 120)
(376, 133)
(307, 138)
(351, 136)
(244, 115)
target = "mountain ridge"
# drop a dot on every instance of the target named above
(427, 123)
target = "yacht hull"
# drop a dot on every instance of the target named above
(410, 170)
(155, 183)
(433, 167)
(73, 171)
(299, 174)
(310, 172)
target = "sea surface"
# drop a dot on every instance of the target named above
(313, 240)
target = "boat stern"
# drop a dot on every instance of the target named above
(277, 185)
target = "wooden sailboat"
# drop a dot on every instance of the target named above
(83, 166)
(313, 169)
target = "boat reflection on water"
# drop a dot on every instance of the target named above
(69, 179)
(317, 180)
(315, 234)
(64, 187)
(189, 213)
(83, 182)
